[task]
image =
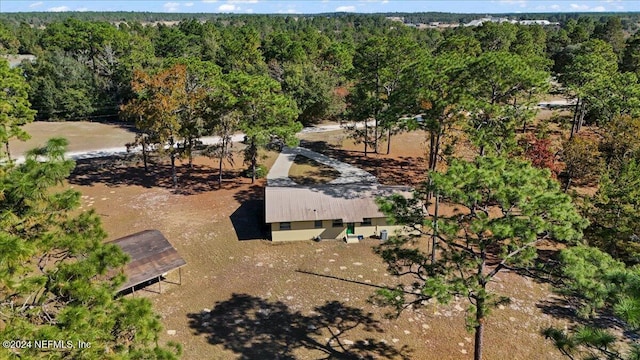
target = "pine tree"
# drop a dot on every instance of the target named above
(15, 109)
(266, 113)
(58, 280)
(502, 210)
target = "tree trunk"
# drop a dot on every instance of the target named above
(222, 154)
(144, 154)
(375, 136)
(254, 160)
(6, 146)
(432, 150)
(434, 239)
(436, 151)
(174, 177)
(581, 117)
(574, 126)
(481, 150)
(524, 118)
(568, 183)
(366, 137)
(389, 141)
(190, 151)
(480, 299)
(479, 329)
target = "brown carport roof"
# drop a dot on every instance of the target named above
(151, 256)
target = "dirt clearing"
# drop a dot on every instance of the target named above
(243, 297)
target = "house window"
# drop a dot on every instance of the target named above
(285, 226)
(366, 222)
(317, 224)
(337, 223)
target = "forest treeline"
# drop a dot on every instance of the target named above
(267, 76)
(44, 18)
(311, 57)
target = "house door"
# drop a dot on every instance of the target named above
(351, 228)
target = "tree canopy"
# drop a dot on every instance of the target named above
(501, 210)
(58, 280)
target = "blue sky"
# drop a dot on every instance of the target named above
(321, 6)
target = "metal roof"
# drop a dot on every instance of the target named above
(349, 202)
(151, 256)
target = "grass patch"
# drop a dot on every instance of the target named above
(306, 171)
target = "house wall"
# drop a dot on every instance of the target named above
(377, 225)
(304, 230)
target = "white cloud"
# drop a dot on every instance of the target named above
(579, 7)
(36, 4)
(555, 7)
(599, 9)
(171, 6)
(522, 3)
(58, 9)
(288, 11)
(189, 4)
(227, 8)
(82, 9)
(242, 1)
(209, 1)
(346, 9)
(249, 11)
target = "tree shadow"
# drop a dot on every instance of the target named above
(125, 170)
(256, 328)
(387, 169)
(314, 172)
(249, 219)
(562, 308)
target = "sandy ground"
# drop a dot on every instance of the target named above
(243, 297)
(263, 279)
(82, 135)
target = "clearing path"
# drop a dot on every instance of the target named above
(349, 174)
(87, 150)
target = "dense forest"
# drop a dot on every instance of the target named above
(43, 18)
(267, 76)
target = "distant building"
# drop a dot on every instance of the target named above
(396, 18)
(481, 21)
(538, 22)
(15, 60)
(492, 19)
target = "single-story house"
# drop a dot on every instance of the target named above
(344, 211)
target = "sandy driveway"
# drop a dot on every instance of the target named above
(279, 173)
(207, 140)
